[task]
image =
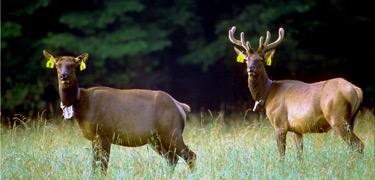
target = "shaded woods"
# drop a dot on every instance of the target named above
(178, 46)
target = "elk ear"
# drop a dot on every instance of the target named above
(80, 58)
(48, 56)
(237, 50)
(269, 53)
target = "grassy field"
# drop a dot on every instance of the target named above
(240, 150)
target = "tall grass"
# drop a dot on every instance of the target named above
(239, 150)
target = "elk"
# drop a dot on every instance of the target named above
(297, 106)
(132, 118)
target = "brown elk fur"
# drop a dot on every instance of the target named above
(301, 107)
(131, 118)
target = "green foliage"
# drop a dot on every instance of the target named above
(21, 8)
(9, 30)
(90, 21)
(27, 95)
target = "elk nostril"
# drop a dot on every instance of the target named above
(251, 69)
(64, 76)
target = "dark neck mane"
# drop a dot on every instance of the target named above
(257, 84)
(70, 94)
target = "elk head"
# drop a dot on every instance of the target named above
(65, 66)
(255, 60)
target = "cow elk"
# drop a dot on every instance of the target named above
(297, 106)
(130, 118)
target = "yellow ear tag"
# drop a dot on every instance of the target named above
(269, 61)
(240, 58)
(50, 63)
(83, 66)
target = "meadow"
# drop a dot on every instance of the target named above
(241, 149)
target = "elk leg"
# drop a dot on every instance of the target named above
(347, 134)
(176, 145)
(281, 142)
(356, 143)
(101, 149)
(171, 158)
(299, 144)
(188, 155)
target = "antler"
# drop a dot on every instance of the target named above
(246, 46)
(264, 47)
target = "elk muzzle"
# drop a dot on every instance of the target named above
(251, 71)
(65, 78)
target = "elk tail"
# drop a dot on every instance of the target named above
(182, 107)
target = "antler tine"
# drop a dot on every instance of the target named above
(261, 46)
(267, 38)
(231, 38)
(243, 40)
(248, 45)
(277, 42)
(237, 42)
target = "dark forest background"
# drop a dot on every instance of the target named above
(179, 46)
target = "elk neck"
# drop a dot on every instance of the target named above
(258, 85)
(69, 95)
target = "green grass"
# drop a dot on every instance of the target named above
(239, 150)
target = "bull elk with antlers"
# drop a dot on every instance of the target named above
(297, 106)
(131, 118)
